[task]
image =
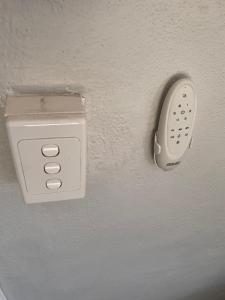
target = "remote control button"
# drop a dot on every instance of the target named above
(52, 168)
(53, 184)
(50, 150)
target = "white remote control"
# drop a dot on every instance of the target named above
(174, 134)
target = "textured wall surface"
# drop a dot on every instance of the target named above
(140, 233)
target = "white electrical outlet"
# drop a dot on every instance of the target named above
(174, 133)
(47, 136)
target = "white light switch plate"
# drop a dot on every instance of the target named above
(47, 136)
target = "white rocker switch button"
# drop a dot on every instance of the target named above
(50, 150)
(52, 168)
(53, 184)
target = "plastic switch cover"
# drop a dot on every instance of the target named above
(47, 136)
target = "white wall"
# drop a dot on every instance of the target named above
(140, 233)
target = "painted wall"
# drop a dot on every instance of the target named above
(140, 233)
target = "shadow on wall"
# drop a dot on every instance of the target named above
(8, 176)
(217, 293)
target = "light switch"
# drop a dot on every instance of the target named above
(52, 168)
(50, 150)
(47, 136)
(53, 184)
